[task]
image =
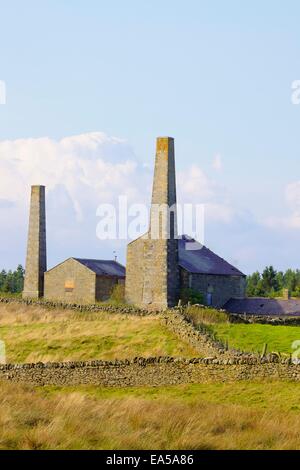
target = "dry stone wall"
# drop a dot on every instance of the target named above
(126, 309)
(151, 371)
(202, 342)
(264, 319)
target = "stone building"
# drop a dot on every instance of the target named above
(74, 280)
(83, 280)
(160, 264)
(204, 271)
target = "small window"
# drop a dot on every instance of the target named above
(69, 286)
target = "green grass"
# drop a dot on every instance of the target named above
(33, 334)
(10, 295)
(253, 337)
(285, 396)
(245, 337)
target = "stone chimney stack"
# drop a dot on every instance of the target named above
(152, 272)
(164, 190)
(36, 260)
(161, 279)
(286, 294)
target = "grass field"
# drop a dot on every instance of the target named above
(253, 337)
(246, 337)
(33, 334)
(209, 416)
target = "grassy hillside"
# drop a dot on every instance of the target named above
(33, 334)
(209, 416)
(251, 337)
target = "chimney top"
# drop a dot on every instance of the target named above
(37, 186)
(164, 144)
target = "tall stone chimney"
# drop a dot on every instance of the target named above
(161, 277)
(36, 260)
(152, 272)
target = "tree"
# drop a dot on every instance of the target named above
(253, 284)
(270, 283)
(269, 280)
(290, 280)
(12, 281)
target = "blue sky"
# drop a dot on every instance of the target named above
(214, 75)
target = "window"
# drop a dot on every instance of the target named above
(69, 286)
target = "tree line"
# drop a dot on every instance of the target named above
(12, 281)
(270, 283)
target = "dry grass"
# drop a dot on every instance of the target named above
(68, 419)
(34, 333)
(205, 316)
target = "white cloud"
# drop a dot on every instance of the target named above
(217, 163)
(194, 186)
(290, 221)
(91, 167)
(79, 172)
(292, 195)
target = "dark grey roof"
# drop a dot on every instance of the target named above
(103, 267)
(263, 306)
(196, 258)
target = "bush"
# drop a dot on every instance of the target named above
(192, 296)
(118, 294)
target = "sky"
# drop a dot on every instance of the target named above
(90, 84)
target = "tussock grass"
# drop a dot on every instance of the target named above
(205, 316)
(183, 417)
(34, 333)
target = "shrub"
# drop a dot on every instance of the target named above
(191, 295)
(118, 294)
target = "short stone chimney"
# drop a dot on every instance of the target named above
(36, 260)
(286, 294)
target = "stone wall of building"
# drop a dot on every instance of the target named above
(70, 282)
(135, 272)
(222, 288)
(150, 372)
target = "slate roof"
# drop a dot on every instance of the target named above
(103, 267)
(263, 306)
(198, 259)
